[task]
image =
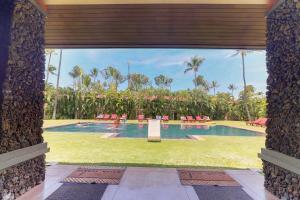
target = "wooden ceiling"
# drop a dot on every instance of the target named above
(156, 26)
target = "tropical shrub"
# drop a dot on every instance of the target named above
(151, 102)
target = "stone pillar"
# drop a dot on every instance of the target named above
(283, 128)
(22, 64)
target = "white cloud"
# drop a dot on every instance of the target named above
(165, 60)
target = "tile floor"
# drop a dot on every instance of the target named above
(148, 184)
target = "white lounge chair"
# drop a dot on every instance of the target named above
(154, 131)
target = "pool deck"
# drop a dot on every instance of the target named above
(148, 184)
(232, 124)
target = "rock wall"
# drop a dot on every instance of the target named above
(5, 22)
(285, 185)
(21, 92)
(283, 63)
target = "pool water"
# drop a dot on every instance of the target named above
(167, 131)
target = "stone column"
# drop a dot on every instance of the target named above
(21, 92)
(283, 128)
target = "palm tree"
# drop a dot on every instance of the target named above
(50, 70)
(94, 74)
(214, 85)
(163, 81)
(49, 52)
(119, 78)
(114, 75)
(73, 75)
(168, 82)
(86, 81)
(201, 83)
(159, 80)
(76, 74)
(194, 65)
(244, 53)
(138, 81)
(57, 86)
(232, 87)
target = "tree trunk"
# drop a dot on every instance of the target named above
(57, 87)
(48, 73)
(128, 75)
(47, 76)
(46, 82)
(195, 80)
(245, 88)
(75, 104)
(79, 103)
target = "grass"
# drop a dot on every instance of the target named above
(213, 152)
(241, 124)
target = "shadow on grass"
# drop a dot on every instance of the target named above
(152, 165)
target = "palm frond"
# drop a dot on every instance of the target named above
(187, 70)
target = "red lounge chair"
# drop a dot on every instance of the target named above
(252, 123)
(183, 119)
(100, 117)
(190, 119)
(106, 117)
(262, 122)
(141, 118)
(124, 117)
(199, 119)
(165, 118)
(113, 117)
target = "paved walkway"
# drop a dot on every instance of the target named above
(148, 184)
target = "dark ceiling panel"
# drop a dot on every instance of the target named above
(156, 25)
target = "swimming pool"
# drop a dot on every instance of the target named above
(167, 131)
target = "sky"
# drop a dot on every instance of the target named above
(219, 65)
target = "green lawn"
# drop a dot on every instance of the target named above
(213, 152)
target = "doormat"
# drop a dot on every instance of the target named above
(78, 191)
(197, 177)
(97, 176)
(205, 192)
